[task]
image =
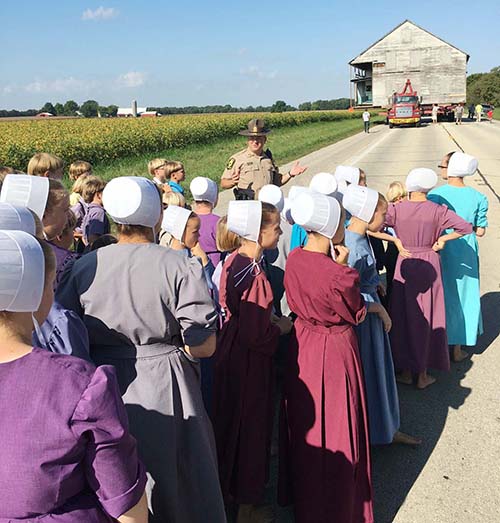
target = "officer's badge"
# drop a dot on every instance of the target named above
(230, 163)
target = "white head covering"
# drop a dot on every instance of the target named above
(22, 276)
(25, 190)
(461, 165)
(132, 200)
(345, 175)
(244, 218)
(272, 194)
(204, 190)
(286, 213)
(325, 183)
(295, 190)
(317, 212)
(421, 180)
(360, 202)
(15, 218)
(174, 221)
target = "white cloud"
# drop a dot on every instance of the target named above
(132, 79)
(59, 85)
(253, 71)
(101, 13)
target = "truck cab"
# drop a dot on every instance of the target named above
(404, 107)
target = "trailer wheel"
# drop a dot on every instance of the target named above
(391, 125)
(417, 124)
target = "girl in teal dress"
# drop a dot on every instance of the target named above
(460, 259)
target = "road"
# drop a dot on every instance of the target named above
(454, 476)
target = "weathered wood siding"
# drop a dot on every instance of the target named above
(436, 69)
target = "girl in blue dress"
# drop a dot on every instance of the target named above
(460, 259)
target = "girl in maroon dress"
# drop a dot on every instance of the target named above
(417, 309)
(244, 392)
(325, 454)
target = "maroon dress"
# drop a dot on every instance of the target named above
(243, 379)
(418, 334)
(324, 453)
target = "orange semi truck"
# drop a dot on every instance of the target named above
(406, 108)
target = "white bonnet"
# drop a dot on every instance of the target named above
(22, 277)
(204, 190)
(132, 200)
(244, 218)
(174, 220)
(421, 180)
(25, 190)
(325, 183)
(345, 174)
(316, 212)
(360, 202)
(461, 165)
(272, 194)
(15, 218)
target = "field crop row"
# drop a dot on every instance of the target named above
(102, 141)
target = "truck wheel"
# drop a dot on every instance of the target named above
(391, 125)
(417, 124)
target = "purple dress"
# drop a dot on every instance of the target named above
(66, 453)
(418, 334)
(208, 231)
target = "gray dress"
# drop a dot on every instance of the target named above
(141, 303)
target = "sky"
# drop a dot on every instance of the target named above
(187, 52)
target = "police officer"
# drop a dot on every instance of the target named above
(249, 170)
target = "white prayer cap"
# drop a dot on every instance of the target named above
(461, 165)
(421, 180)
(295, 190)
(286, 213)
(360, 202)
(272, 194)
(132, 200)
(25, 190)
(316, 212)
(15, 218)
(244, 218)
(204, 190)
(346, 174)
(22, 277)
(175, 219)
(325, 183)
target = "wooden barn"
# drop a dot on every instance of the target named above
(437, 69)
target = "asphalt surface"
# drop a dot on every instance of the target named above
(454, 476)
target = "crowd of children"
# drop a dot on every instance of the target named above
(145, 389)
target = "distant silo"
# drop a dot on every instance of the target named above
(134, 108)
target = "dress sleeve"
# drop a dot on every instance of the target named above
(482, 211)
(69, 336)
(451, 220)
(195, 310)
(67, 294)
(112, 466)
(390, 217)
(362, 264)
(346, 296)
(255, 328)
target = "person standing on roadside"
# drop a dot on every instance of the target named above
(471, 112)
(366, 120)
(459, 112)
(435, 110)
(479, 110)
(249, 170)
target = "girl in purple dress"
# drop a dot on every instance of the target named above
(66, 452)
(418, 336)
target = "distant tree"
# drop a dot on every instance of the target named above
(70, 108)
(278, 107)
(59, 109)
(305, 106)
(89, 108)
(112, 110)
(484, 87)
(48, 108)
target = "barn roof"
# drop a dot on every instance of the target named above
(397, 27)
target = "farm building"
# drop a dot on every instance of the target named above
(437, 69)
(129, 111)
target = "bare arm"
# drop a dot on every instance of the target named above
(441, 241)
(227, 183)
(137, 514)
(205, 350)
(393, 239)
(480, 231)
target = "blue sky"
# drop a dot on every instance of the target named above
(197, 53)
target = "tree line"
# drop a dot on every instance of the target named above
(484, 87)
(92, 108)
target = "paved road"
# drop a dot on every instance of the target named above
(454, 477)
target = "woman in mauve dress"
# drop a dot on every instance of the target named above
(324, 452)
(461, 258)
(149, 313)
(66, 453)
(418, 336)
(244, 374)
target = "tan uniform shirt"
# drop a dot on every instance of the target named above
(255, 171)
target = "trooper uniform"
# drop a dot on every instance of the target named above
(254, 170)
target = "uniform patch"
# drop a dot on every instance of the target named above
(230, 163)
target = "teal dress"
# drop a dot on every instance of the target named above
(460, 265)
